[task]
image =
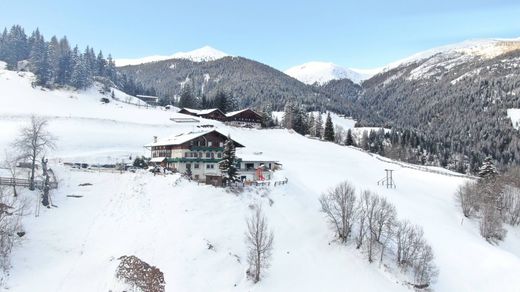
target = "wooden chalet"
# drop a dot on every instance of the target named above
(198, 153)
(213, 114)
(244, 118)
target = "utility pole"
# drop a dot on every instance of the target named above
(389, 179)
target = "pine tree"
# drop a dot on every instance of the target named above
(228, 163)
(3, 41)
(319, 126)
(65, 62)
(101, 64)
(111, 72)
(187, 100)
(80, 76)
(349, 140)
(488, 169)
(312, 125)
(328, 133)
(16, 47)
(39, 59)
(221, 101)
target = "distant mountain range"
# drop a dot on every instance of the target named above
(455, 96)
(323, 72)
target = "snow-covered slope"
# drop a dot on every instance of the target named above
(323, 72)
(446, 57)
(514, 115)
(205, 53)
(169, 223)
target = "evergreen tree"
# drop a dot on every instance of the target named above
(267, 116)
(39, 59)
(53, 49)
(488, 169)
(349, 140)
(111, 71)
(65, 62)
(312, 125)
(328, 133)
(101, 64)
(319, 126)
(221, 101)
(364, 141)
(228, 163)
(80, 76)
(16, 47)
(3, 41)
(204, 102)
(187, 100)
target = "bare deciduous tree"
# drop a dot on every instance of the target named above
(384, 224)
(424, 269)
(259, 240)
(339, 207)
(372, 209)
(408, 238)
(33, 141)
(468, 196)
(10, 163)
(511, 205)
(362, 210)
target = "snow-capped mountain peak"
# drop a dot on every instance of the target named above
(203, 54)
(484, 48)
(323, 72)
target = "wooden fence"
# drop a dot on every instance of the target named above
(24, 182)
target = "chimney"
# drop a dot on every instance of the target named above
(155, 139)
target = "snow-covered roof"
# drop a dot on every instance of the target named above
(230, 114)
(183, 138)
(157, 159)
(200, 112)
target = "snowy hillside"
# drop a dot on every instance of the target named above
(323, 72)
(205, 53)
(514, 115)
(451, 55)
(170, 223)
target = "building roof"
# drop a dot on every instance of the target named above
(230, 114)
(158, 159)
(200, 112)
(185, 137)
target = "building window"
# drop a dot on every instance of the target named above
(219, 155)
(221, 144)
(208, 155)
(210, 166)
(200, 154)
(210, 143)
(196, 165)
(186, 154)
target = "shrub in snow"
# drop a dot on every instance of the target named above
(259, 242)
(11, 211)
(140, 275)
(105, 100)
(468, 198)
